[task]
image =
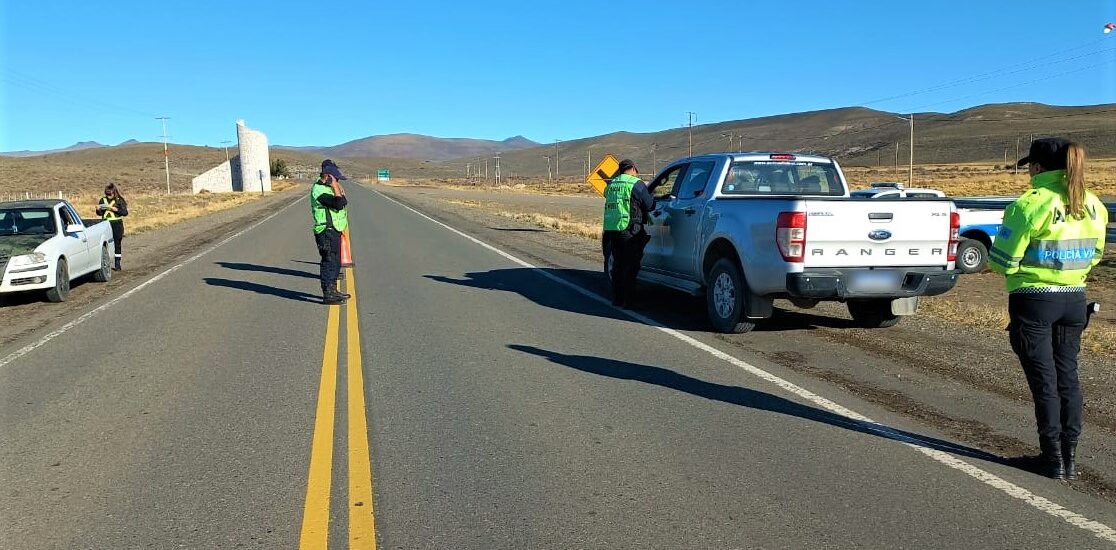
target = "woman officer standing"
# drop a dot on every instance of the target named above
(112, 207)
(1051, 238)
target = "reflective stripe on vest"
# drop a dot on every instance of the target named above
(1063, 255)
(618, 202)
(326, 217)
(108, 214)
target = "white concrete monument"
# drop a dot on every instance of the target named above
(249, 170)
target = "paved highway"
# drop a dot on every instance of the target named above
(463, 399)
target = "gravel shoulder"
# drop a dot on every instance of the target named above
(959, 379)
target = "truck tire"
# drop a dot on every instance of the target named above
(104, 274)
(872, 313)
(61, 289)
(724, 298)
(972, 256)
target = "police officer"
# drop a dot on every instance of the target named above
(1051, 238)
(112, 207)
(627, 204)
(327, 203)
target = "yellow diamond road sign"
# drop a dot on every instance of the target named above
(598, 178)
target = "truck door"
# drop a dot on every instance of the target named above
(682, 220)
(662, 188)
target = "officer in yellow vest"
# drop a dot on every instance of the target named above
(327, 203)
(627, 204)
(112, 208)
(1051, 238)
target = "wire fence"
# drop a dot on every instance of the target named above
(32, 196)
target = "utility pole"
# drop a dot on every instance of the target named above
(1014, 168)
(731, 136)
(486, 170)
(589, 157)
(549, 176)
(496, 168)
(557, 157)
(226, 144)
(690, 139)
(910, 178)
(166, 155)
(896, 160)
(654, 159)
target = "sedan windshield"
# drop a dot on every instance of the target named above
(26, 221)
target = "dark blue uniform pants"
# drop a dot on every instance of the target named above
(329, 247)
(1045, 333)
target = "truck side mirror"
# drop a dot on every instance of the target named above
(75, 228)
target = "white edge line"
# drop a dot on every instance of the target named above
(1100, 530)
(90, 314)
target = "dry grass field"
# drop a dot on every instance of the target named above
(966, 180)
(138, 170)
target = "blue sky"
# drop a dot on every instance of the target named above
(324, 73)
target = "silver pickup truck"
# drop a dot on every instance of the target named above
(745, 229)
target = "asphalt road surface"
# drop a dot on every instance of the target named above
(463, 399)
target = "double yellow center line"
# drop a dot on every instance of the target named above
(315, 516)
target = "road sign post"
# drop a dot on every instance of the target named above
(604, 171)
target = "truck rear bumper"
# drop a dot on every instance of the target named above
(842, 284)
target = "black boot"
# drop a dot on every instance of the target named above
(1050, 461)
(1069, 452)
(330, 297)
(117, 266)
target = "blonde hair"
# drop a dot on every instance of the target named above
(1075, 180)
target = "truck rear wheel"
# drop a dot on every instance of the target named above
(104, 274)
(873, 313)
(61, 289)
(724, 298)
(972, 256)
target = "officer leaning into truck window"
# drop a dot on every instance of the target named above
(112, 207)
(327, 203)
(1051, 238)
(627, 204)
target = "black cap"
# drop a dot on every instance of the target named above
(329, 167)
(625, 165)
(1049, 152)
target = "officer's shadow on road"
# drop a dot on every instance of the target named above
(263, 289)
(746, 397)
(671, 308)
(238, 266)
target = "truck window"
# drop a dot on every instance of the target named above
(664, 184)
(693, 184)
(29, 221)
(794, 177)
(66, 216)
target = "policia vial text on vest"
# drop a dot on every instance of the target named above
(112, 208)
(1050, 239)
(327, 203)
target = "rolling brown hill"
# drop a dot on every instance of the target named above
(856, 136)
(414, 146)
(138, 168)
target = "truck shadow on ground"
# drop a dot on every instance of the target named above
(263, 289)
(673, 309)
(267, 269)
(745, 397)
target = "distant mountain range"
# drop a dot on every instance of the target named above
(415, 146)
(79, 146)
(854, 135)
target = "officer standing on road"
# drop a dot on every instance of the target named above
(112, 207)
(1051, 238)
(328, 202)
(627, 204)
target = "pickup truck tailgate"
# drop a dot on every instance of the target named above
(877, 233)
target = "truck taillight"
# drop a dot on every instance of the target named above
(954, 235)
(790, 234)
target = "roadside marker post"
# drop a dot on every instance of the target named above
(604, 171)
